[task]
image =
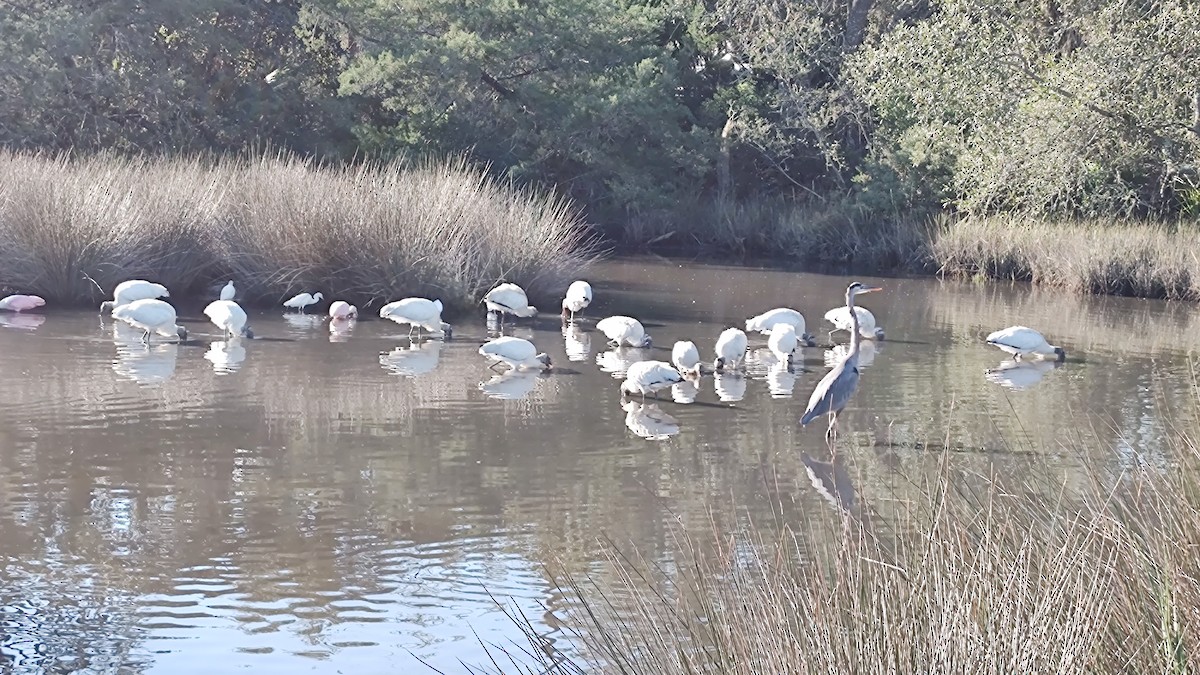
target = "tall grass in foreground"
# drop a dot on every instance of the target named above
(277, 226)
(956, 581)
(1117, 258)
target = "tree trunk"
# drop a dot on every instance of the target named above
(856, 24)
(724, 178)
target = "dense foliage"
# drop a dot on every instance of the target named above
(635, 107)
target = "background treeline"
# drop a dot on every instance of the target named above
(697, 122)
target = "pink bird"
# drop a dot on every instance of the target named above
(20, 303)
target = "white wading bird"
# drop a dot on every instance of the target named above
(840, 318)
(418, 313)
(579, 296)
(731, 349)
(132, 290)
(1021, 342)
(340, 309)
(783, 342)
(516, 353)
(647, 377)
(834, 390)
(229, 317)
(765, 322)
(509, 299)
(624, 330)
(228, 291)
(686, 357)
(303, 300)
(151, 316)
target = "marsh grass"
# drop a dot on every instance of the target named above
(984, 579)
(1145, 259)
(276, 225)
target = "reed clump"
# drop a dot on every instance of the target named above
(987, 578)
(1144, 259)
(278, 225)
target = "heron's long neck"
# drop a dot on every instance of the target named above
(855, 336)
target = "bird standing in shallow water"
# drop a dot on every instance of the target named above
(579, 296)
(151, 316)
(303, 300)
(229, 317)
(1021, 342)
(509, 299)
(840, 318)
(624, 330)
(21, 303)
(834, 390)
(418, 313)
(516, 353)
(731, 349)
(685, 357)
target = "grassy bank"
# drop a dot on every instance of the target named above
(277, 226)
(974, 575)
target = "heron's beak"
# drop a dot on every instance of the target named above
(870, 290)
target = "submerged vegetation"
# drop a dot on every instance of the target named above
(368, 232)
(959, 573)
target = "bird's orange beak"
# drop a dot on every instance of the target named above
(871, 290)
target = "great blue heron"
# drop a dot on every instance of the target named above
(1021, 341)
(835, 389)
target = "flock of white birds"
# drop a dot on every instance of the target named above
(140, 304)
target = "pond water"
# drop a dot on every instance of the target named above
(324, 501)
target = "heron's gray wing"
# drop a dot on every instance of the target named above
(843, 388)
(823, 398)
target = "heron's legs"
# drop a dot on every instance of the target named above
(831, 432)
(146, 337)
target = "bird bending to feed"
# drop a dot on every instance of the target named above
(303, 300)
(516, 353)
(340, 309)
(133, 290)
(835, 389)
(783, 342)
(418, 313)
(765, 322)
(1021, 342)
(152, 316)
(624, 330)
(731, 348)
(509, 299)
(579, 296)
(21, 303)
(229, 317)
(840, 318)
(686, 358)
(228, 291)
(647, 377)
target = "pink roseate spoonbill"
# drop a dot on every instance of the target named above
(21, 303)
(151, 316)
(302, 301)
(340, 309)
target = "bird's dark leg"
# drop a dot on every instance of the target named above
(831, 432)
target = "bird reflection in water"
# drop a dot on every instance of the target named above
(781, 380)
(416, 359)
(831, 481)
(686, 390)
(730, 387)
(510, 386)
(578, 343)
(647, 420)
(616, 361)
(146, 364)
(866, 354)
(340, 329)
(226, 356)
(300, 323)
(21, 321)
(1020, 375)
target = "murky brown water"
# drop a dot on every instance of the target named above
(319, 501)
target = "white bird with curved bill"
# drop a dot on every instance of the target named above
(764, 323)
(151, 316)
(686, 357)
(508, 298)
(834, 390)
(132, 291)
(228, 291)
(840, 318)
(341, 310)
(516, 353)
(647, 377)
(230, 318)
(22, 303)
(418, 358)
(579, 296)
(419, 314)
(303, 300)
(648, 421)
(1024, 342)
(624, 330)
(1020, 375)
(731, 349)
(783, 342)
